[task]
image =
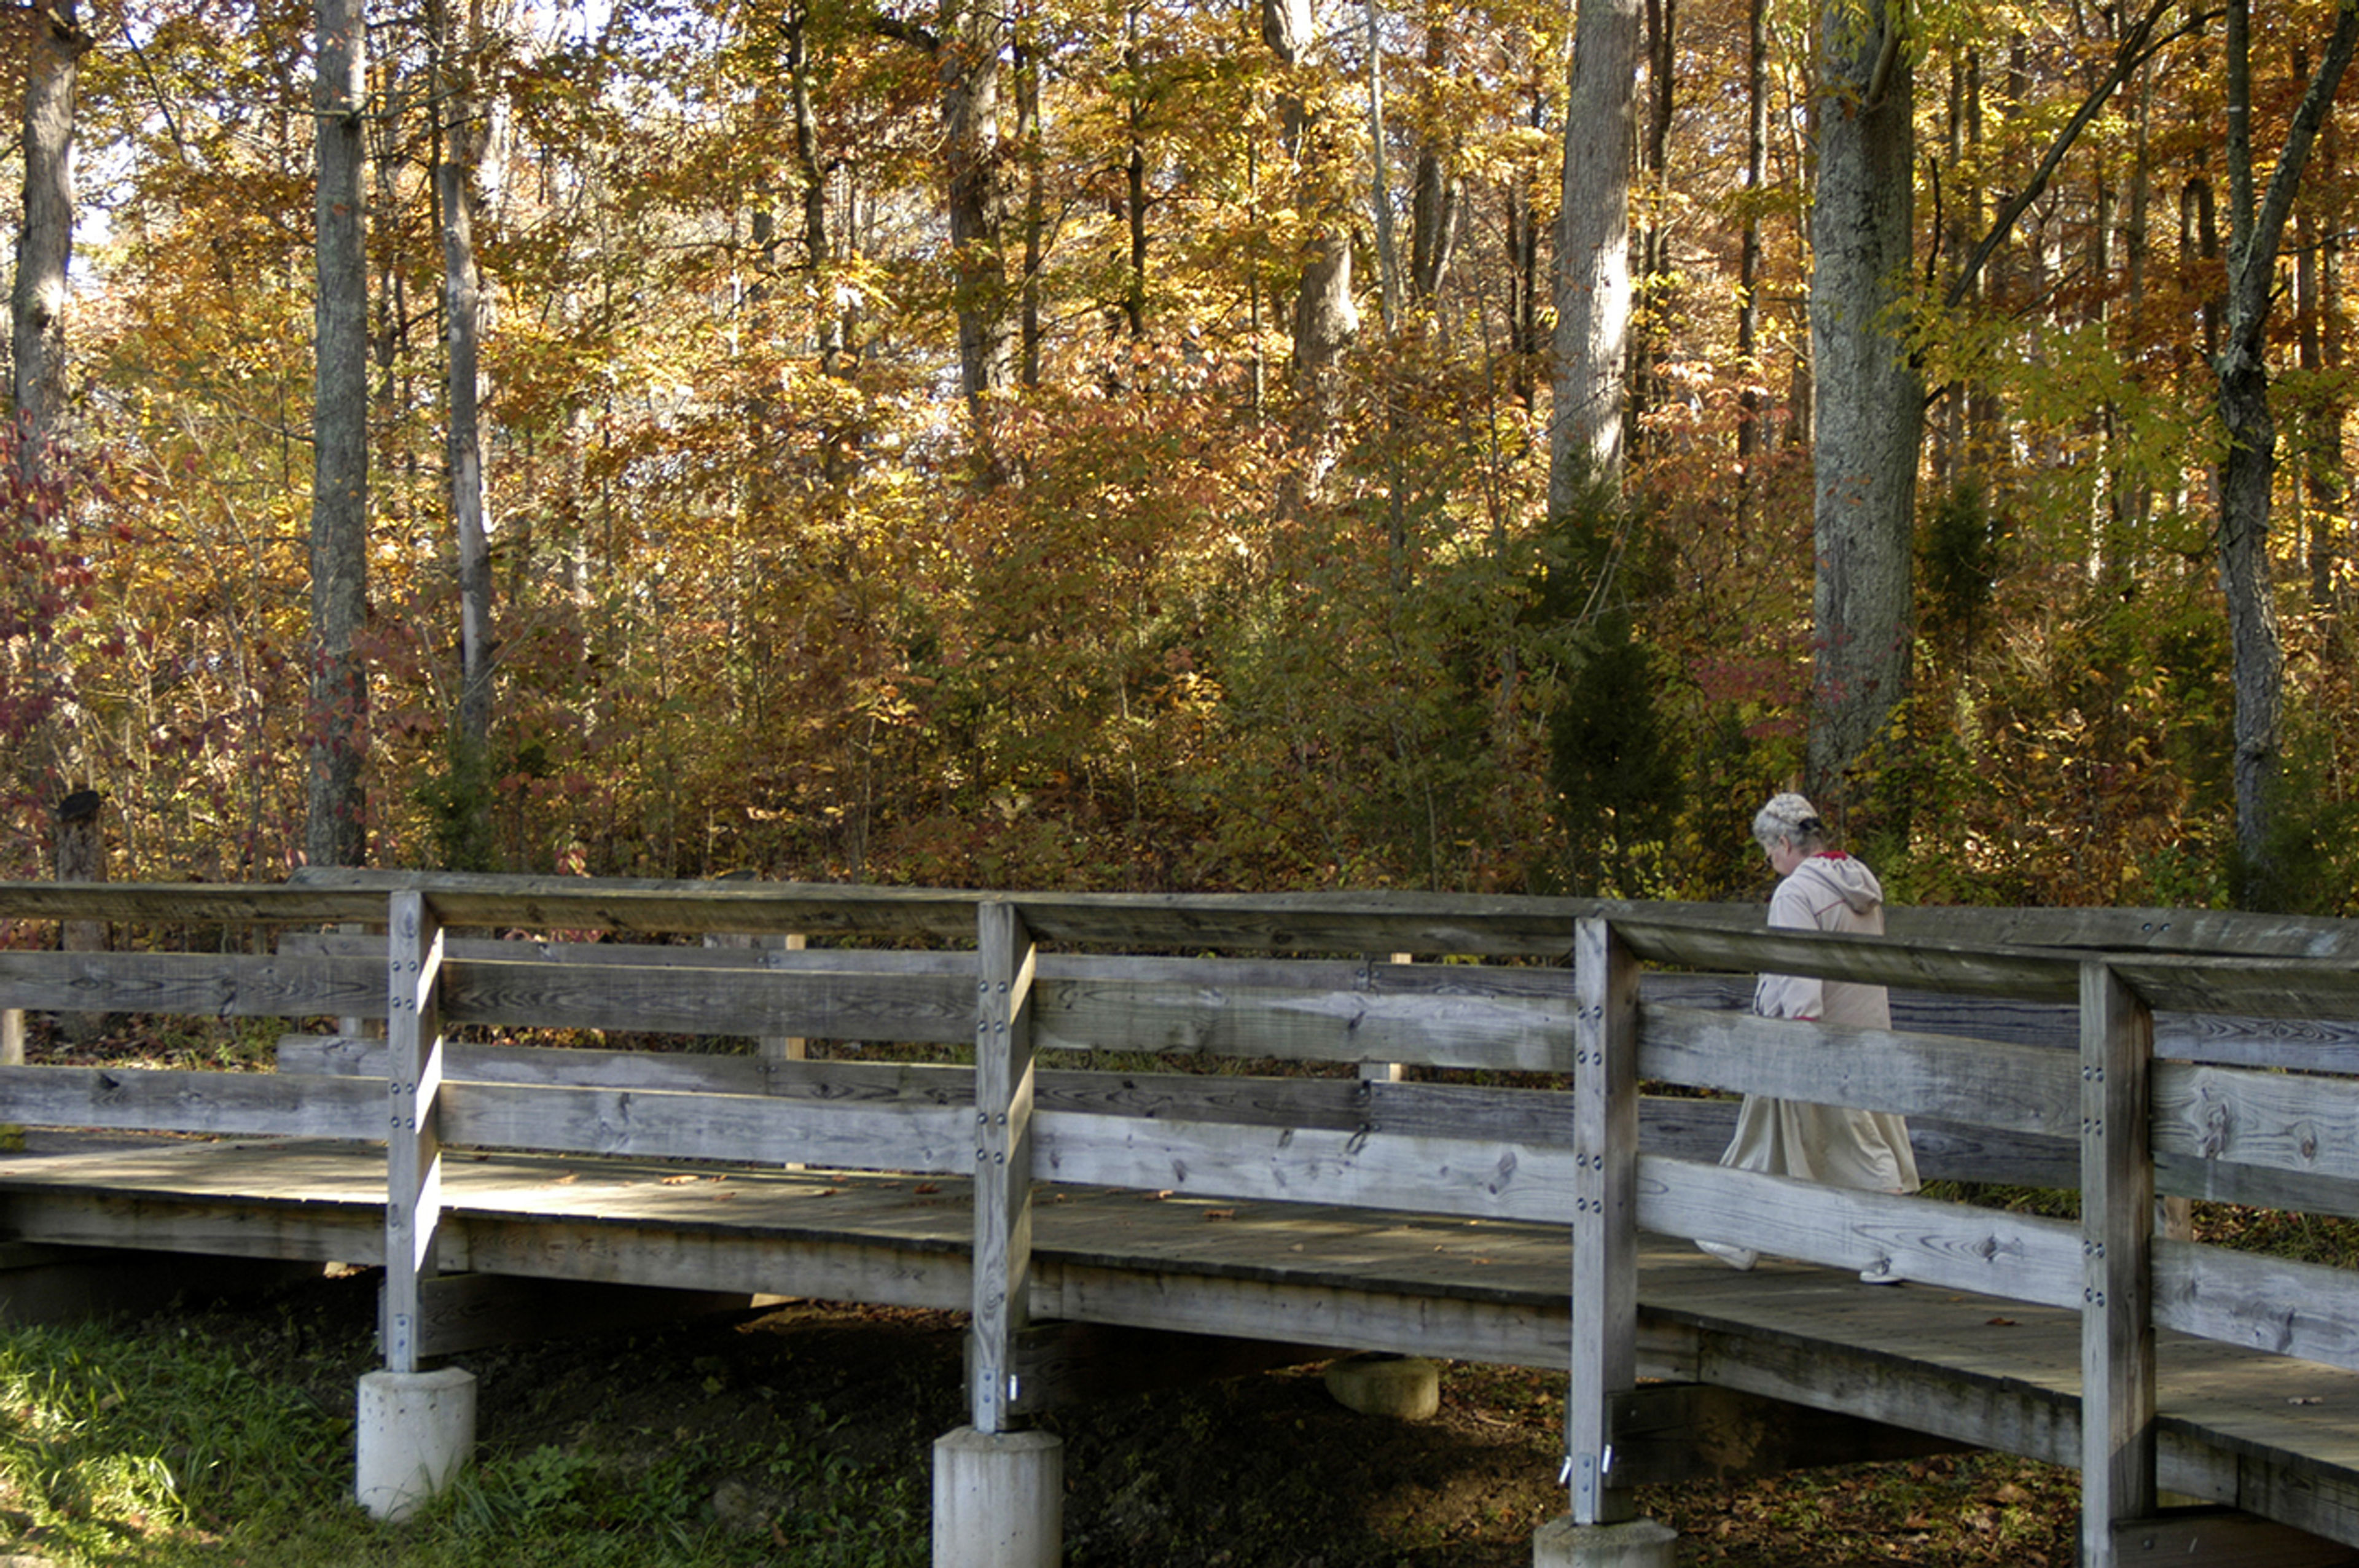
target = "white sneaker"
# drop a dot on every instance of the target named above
(1737, 1258)
(1881, 1274)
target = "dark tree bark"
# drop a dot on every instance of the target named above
(973, 35)
(462, 139)
(1325, 319)
(819, 250)
(336, 825)
(1593, 252)
(45, 243)
(1750, 401)
(1869, 402)
(2256, 227)
(1434, 189)
(1028, 136)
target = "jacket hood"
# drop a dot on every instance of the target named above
(1846, 877)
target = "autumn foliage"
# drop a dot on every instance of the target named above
(770, 595)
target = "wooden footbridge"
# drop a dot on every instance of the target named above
(1133, 1133)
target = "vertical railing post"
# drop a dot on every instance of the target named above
(999, 1493)
(1604, 1218)
(12, 1055)
(2117, 1394)
(414, 1430)
(413, 1207)
(1003, 1159)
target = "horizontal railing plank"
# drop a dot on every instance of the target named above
(928, 1139)
(331, 895)
(1953, 1245)
(2132, 930)
(1347, 923)
(2307, 1044)
(208, 985)
(1471, 1179)
(936, 1008)
(1683, 1127)
(2304, 1310)
(652, 955)
(1435, 1014)
(230, 1104)
(2262, 988)
(2019, 1088)
(2024, 973)
(1435, 1019)
(556, 1066)
(2275, 1121)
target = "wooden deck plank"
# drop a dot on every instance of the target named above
(2271, 1434)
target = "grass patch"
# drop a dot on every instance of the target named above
(160, 1449)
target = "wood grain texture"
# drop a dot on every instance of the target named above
(2274, 1434)
(1923, 963)
(2307, 1124)
(2118, 1340)
(2304, 1310)
(1356, 1169)
(214, 1103)
(2017, 1088)
(1005, 1159)
(1604, 1217)
(1953, 1245)
(413, 1208)
(202, 985)
(642, 1124)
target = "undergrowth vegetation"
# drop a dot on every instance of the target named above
(221, 1436)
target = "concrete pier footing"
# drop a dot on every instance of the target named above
(1632, 1543)
(999, 1500)
(415, 1432)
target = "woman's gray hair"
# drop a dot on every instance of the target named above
(1790, 819)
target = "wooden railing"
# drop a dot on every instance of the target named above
(1528, 1049)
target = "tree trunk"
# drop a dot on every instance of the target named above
(1325, 320)
(973, 35)
(1869, 403)
(1651, 291)
(1134, 296)
(1592, 285)
(1380, 195)
(454, 176)
(45, 245)
(2255, 228)
(336, 825)
(819, 251)
(1750, 401)
(1434, 190)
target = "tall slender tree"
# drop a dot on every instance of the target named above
(2257, 224)
(1869, 404)
(460, 133)
(45, 243)
(336, 822)
(1592, 252)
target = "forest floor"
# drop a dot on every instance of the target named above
(1263, 1471)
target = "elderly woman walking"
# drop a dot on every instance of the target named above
(1819, 889)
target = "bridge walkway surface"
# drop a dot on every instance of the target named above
(2272, 1434)
(1264, 1128)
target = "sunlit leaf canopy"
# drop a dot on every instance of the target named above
(772, 595)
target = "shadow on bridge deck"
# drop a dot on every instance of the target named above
(2262, 1432)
